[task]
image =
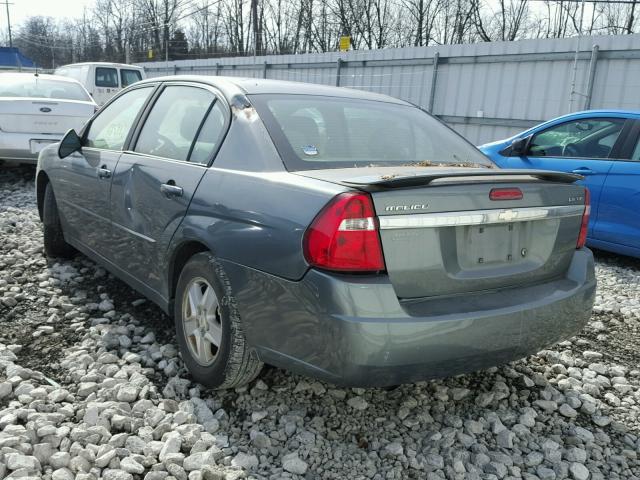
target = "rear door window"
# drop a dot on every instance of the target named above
(109, 129)
(128, 76)
(174, 121)
(106, 77)
(210, 135)
(635, 157)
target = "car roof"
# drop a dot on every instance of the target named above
(591, 113)
(568, 117)
(46, 76)
(102, 64)
(230, 86)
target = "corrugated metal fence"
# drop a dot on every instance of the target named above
(486, 91)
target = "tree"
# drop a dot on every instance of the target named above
(40, 39)
(178, 45)
(125, 30)
(503, 23)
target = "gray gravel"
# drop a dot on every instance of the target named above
(92, 386)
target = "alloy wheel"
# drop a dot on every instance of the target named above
(201, 321)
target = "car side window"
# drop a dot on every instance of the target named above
(636, 153)
(584, 138)
(173, 123)
(128, 77)
(106, 77)
(209, 136)
(109, 129)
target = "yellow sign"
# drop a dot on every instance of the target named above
(150, 53)
(345, 43)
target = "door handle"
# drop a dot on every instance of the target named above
(170, 189)
(583, 171)
(104, 172)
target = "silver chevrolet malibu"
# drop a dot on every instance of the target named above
(341, 234)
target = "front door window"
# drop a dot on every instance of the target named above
(110, 128)
(584, 138)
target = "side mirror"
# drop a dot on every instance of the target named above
(70, 143)
(519, 147)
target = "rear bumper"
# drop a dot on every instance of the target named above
(354, 331)
(16, 147)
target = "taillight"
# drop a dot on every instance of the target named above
(344, 236)
(584, 227)
(505, 194)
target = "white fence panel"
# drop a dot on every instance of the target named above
(486, 91)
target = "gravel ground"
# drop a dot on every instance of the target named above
(91, 386)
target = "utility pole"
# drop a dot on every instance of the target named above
(6, 2)
(574, 72)
(166, 34)
(256, 33)
(166, 55)
(53, 53)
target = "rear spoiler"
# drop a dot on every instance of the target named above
(398, 181)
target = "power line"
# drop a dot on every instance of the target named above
(629, 2)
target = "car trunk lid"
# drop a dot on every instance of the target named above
(443, 235)
(43, 116)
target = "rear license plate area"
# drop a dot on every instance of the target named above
(491, 245)
(37, 145)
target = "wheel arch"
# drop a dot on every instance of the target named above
(179, 258)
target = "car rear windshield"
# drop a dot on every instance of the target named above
(317, 132)
(38, 87)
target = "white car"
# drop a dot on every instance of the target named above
(102, 79)
(37, 110)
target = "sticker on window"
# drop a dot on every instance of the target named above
(310, 150)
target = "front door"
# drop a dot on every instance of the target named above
(87, 174)
(583, 146)
(154, 183)
(619, 218)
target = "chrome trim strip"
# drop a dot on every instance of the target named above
(134, 233)
(478, 217)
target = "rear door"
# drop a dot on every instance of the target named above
(106, 84)
(585, 146)
(86, 175)
(619, 213)
(155, 181)
(129, 76)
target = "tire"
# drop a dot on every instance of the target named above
(54, 243)
(229, 364)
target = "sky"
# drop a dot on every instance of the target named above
(19, 10)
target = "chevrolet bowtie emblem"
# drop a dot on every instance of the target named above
(507, 215)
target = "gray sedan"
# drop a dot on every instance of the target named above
(341, 234)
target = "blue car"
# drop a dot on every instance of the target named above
(604, 147)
